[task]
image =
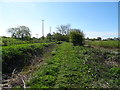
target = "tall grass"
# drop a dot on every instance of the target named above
(0, 58)
(106, 44)
(76, 67)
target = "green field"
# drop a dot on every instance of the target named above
(65, 45)
(65, 66)
(77, 67)
(106, 44)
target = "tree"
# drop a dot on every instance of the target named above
(65, 38)
(99, 38)
(42, 37)
(21, 32)
(12, 31)
(58, 36)
(49, 36)
(87, 38)
(76, 37)
(63, 29)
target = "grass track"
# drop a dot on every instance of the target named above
(76, 67)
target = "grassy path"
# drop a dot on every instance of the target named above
(76, 67)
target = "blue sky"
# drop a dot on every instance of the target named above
(93, 18)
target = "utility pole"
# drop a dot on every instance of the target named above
(43, 28)
(50, 29)
(37, 36)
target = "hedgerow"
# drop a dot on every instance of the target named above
(17, 56)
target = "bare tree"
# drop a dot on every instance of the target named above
(63, 29)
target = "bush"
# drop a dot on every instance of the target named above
(65, 38)
(17, 56)
(59, 42)
(76, 37)
(60, 37)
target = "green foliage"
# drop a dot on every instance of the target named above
(42, 37)
(17, 56)
(59, 42)
(0, 58)
(21, 32)
(66, 38)
(1, 41)
(76, 37)
(49, 36)
(60, 37)
(106, 44)
(76, 67)
(99, 38)
(11, 41)
(115, 71)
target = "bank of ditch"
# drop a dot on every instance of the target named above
(36, 53)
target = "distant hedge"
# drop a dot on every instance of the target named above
(17, 56)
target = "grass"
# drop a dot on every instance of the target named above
(0, 59)
(106, 44)
(76, 67)
(18, 56)
(12, 41)
(0, 41)
(29, 70)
